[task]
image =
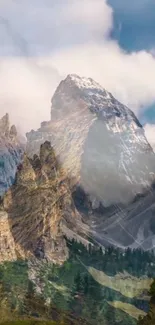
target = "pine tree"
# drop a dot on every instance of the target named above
(78, 283)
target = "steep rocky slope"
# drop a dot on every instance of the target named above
(10, 153)
(103, 148)
(38, 210)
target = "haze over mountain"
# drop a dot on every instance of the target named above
(102, 149)
(77, 201)
(83, 189)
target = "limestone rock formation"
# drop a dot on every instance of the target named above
(7, 244)
(38, 210)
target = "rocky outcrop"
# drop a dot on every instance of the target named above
(7, 244)
(11, 151)
(38, 210)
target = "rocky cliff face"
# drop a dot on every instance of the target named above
(10, 153)
(38, 210)
(103, 147)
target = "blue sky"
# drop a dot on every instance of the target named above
(134, 29)
(41, 41)
(134, 23)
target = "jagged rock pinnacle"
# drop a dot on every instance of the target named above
(5, 125)
(13, 132)
(11, 152)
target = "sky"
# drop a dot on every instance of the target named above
(41, 41)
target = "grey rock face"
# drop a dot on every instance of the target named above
(10, 153)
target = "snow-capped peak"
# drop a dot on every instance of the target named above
(98, 100)
(83, 82)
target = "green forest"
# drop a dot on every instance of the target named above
(149, 319)
(69, 294)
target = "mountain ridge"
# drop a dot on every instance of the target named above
(100, 146)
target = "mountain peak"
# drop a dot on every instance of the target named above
(84, 82)
(5, 130)
(75, 92)
(10, 153)
(102, 147)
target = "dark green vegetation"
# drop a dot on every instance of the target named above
(29, 322)
(43, 322)
(18, 299)
(115, 260)
(70, 293)
(36, 322)
(149, 319)
(13, 286)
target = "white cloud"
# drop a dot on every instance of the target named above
(73, 36)
(43, 26)
(34, 27)
(95, 16)
(150, 134)
(130, 77)
(25, 91)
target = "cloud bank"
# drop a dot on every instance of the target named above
(25, 92)
(42, 42)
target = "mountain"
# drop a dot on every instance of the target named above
(102, 147)
(84, 188)
(10, 153)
